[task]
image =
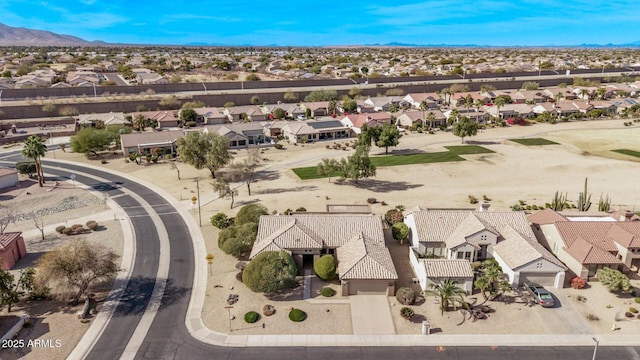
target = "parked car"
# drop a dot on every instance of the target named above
(541, 295)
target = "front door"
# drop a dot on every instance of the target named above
(482, 253)
(307, 261)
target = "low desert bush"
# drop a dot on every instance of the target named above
(60, 228)
(637, 300)
(578, 283)
(406, 296)
(67, 231)
(592, 317)
(327, 292)
(278, 146)
(633, 310)
(372, 200)
(251, 317)
(406, 313)
(297, 315)
(92, 225)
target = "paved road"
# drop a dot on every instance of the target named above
(168, 337)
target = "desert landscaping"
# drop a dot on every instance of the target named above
(513, 172)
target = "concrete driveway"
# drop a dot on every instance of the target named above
(371, 315)
(563, 318)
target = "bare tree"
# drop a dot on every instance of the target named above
(246, 170)
(7, 216)
(175, 167)
(38, 222)
(222, 187)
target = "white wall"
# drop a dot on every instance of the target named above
(418, 269)
(8, 180)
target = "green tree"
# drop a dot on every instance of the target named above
(400, 231)
(321, 95)
(250, 214)
(614, 280)
(188, 115)
(252, 77)
(238, 240)
(389, 135)
(328, 167)
(530, 85)
(499, 103)
(468, 102)
(34, 148)
(325, 267)
(465, 127)
(492, 280)
(349, 105)
(354, 91)
(204, 150)
(290, 96)
(220, 220)
(449, 293)
(332, 107)
(358, 165)
(270, 271)
(11, 290)
(75, 267)
(193, 104)
(91, 141)
(169, 103)
(279, 113)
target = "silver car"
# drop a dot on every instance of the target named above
(541, 296)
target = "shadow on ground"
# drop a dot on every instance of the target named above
(283, 190)
(138, 291)
(379, 186)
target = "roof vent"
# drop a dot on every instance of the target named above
(484, 206)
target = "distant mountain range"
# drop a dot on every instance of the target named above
(22, 36)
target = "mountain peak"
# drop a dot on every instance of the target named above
(10, 36)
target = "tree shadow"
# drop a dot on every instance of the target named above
(28, 260)
(283, 190)
(245, 202)
(295, 293)
(36, 329)
(405, 152)
(381, 186)
(266, 175)
(480, 142)
(418, 318)
(136, 295)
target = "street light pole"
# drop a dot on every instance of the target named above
(229, 310)
(595, 349)
(198, 189)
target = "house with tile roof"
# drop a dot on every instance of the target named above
(12, 249)
(415, 117)
(315, 130)
(355, 121)
(356, 240)
(476, 235)
(587, 244)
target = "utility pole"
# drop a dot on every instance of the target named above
(229, 310)
(595, 349)
(198, 189)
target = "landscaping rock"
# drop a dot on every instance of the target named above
(268, 310)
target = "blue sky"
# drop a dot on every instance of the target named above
(331, 22)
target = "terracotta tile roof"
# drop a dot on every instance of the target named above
(594, 232)
(362, 258)
(589, 254)
(517, 250)
(438, 225)
(546, 216)
(7, 238)
(446, 268)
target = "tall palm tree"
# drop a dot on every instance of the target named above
(499, 103)
(431, 117)
(449, 293)
(424, 107)
(468, 102)
(34, 148)
(446, 94)
(332, 107)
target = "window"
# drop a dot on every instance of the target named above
(467, 255)
(539, 265)
(483, 237)
(459, 255)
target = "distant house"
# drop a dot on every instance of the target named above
(415, 117)
(477, 114)
(356, 241)
(315, 130)
(384, 103)
(144, 142)
(90, 120)
(165, 118)
(210, 116)
(529, 96)
(240, 135)
(433, 100)
(587, 244)
(12, 249)
(511, 110)
(244, 113)
(356, 121)
(318, 108)
(152, 78)
(8, 177)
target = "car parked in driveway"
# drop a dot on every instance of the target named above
(541, 295)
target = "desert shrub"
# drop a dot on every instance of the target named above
(592, 317)
(278, 146)
(26, 168)
(325, 267)
(301, 209)
(400, 231)
(67, 231)
(372, 200)
(238, 240)
(79, 229)
(103, 161)
(297, 315)
(60, 228)
(220, 220)
(250, 214)
(637, 300)
(393, 216)
(251, 317)
(472, 199)
(92, 225)
(270, 271)
(614, 280)
(268, 310)
(485, 198)
(578, 282)
(406, 296)
(534, 207)
(633, 310)
(190, 124)
(406, 313)
(327, 292)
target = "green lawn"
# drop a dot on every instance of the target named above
(452, 154)
(534, 141)
(628, 152)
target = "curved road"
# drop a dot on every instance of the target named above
(168, 337)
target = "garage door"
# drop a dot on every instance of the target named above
(542, 279)
(378, 287)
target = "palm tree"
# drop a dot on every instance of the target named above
(468, 102)
(454, 115)
(446, 94)
(584, 93)
(431, 117)
(424, 107)
(34, 148)
(492, 279)
(332, 107)
(499, 102)
(449, 293)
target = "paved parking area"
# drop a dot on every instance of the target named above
(371, 315)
